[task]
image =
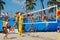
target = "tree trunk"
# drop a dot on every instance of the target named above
(0, 12)
(43, 6)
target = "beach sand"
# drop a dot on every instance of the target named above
(32, 36)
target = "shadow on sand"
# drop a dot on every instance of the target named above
(12, 38)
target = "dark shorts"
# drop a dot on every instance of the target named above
(8, 27)
(23, 27)
(5, 30)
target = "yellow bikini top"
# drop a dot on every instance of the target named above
(21, 18)
(46, 22)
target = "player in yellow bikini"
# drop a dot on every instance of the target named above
(18, 22)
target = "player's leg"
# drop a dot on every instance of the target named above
(5, 31)
(20, 31)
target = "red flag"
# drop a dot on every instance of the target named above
(58, 13)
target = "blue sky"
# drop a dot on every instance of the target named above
(12, 6)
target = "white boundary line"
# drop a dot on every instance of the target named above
(41, 22)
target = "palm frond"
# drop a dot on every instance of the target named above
(51, 10)
(51, 3)
(1, 7)
(34, 4)
(2, 2)
(30, 4)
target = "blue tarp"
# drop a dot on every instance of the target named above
(38, 27)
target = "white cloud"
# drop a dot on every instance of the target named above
(18, 2)
(23, 1)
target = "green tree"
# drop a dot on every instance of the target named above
(53, 2)
(2, 3)
(30, 4)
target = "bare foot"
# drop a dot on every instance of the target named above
(5, 37)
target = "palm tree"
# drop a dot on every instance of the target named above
(42, 5)
(30, 4)
(2, 3)
(58, 3)
(53, 2)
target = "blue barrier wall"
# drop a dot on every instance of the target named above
(42, 26)
(1, 25)
(38, 27)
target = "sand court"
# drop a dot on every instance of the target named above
(32, 36)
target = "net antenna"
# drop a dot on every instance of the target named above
(36, 12)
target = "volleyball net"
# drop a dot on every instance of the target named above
(47, 15)
(43, 15)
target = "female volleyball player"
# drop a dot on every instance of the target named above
(5, 27)
(18, 22)
(32, 29)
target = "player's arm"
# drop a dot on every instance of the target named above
(16, 20)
